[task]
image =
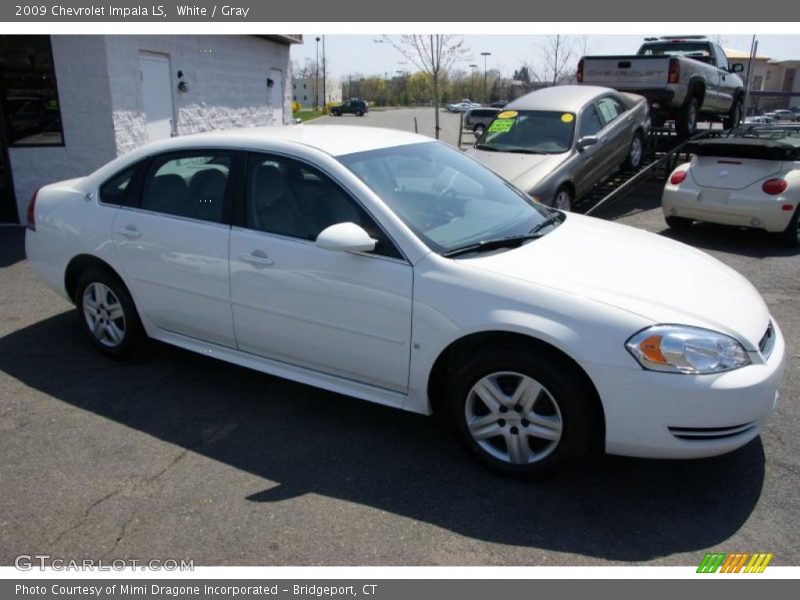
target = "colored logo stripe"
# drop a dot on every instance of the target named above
(733, 563)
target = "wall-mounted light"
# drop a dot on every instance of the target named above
(183, 87)
(270, 82)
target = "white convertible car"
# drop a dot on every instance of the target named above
(750, 178)
(393, 268)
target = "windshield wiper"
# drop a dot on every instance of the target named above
(551, 220)
(512, 241)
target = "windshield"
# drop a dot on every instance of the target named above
(529, 131)
(445, 197)
(776, 133)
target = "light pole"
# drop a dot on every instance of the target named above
(324, 70)
(316, 80)
(485, 94)
(472, 81)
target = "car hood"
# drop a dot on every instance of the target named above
(523, 170)
(640, 272)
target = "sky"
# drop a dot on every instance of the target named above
(350, 54)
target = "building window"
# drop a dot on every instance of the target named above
(304, 86)
(28, 91)
(304, 98)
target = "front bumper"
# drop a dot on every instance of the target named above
(663, 415)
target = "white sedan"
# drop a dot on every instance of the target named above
(393, 268)
(750, 178)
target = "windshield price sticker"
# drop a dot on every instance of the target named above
(567, 118)
(501, 125)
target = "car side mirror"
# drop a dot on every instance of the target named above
(587, 140)
(737, 68)
(345, 237)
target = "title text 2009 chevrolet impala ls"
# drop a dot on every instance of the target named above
(396, 269)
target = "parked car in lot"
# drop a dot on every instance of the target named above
(783, 114)
(341, 258)
(683, 78)
(499, 104)
(556, 143)
(477, 119)
(750, 178)
(354, 107)
(462, 106)
(760, 120)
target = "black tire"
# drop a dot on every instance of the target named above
(633, 162)
(336, 113)
(567, 198)
(735, 115)
(686, 121)
(359, 113)
(678, 223)
(129, 323)
(791, 235)
(564, 396)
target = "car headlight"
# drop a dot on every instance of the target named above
(687, 350)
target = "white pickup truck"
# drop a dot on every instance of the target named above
(682, 78)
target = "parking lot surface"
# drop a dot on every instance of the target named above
(176, 455)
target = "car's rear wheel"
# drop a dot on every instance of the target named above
(520, 410)
(336, 113)
(686, 123)
(791, 235)
(735, 115)
(679, 223)
(563, 198)
(107, 313)
(636, 153)
(359, 113)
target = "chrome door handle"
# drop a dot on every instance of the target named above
(260, 259)
(130, 231)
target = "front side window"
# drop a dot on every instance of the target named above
(591, 123)
(289, 198)
(529, 132)
(447, 199)
(189, 185)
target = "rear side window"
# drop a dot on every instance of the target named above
(190, 185)
(610, 108)
(117, 189)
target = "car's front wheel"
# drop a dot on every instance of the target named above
(359, 113)
(520, 410)
(107, 313)
(563, 198)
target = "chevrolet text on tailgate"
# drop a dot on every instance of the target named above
(682, 78)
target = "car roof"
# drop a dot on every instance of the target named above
(569, 98)
(336, 140)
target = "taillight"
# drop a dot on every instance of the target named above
(674, 71)
(773, 187)
(579, 72)
(677, 177)
(32, 211)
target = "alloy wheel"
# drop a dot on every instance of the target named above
(513, 418)
(104, 314)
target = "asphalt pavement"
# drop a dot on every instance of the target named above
(174, 455)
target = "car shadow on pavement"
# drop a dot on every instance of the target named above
(753, 243)
(310, 441)
(12, 245)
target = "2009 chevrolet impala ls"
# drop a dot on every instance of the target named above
(389, 267)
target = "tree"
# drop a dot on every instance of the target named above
(556, 54)
(434, 55)
(522, 75)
